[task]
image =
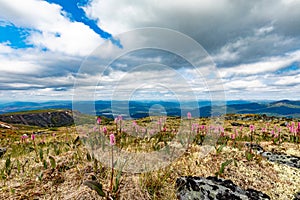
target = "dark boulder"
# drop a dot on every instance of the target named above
(213, 188)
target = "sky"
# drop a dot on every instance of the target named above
(102, 49)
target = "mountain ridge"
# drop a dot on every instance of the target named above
(40, 118)
(139, 109)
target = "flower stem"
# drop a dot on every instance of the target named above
(112, 169)
(190, 132)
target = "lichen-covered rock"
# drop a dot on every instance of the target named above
(213, 188)
(292, 161)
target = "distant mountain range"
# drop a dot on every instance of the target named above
(19, 106)
(138, 109)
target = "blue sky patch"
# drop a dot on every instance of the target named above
(291, 68)
(76, 13)
(16, 37)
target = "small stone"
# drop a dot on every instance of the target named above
(2, 151)
(297, 196)
(284, 124)
(256, 147)
(236, 124)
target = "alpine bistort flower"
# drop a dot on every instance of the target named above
(112, 139)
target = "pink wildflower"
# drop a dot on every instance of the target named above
(291, 129)
(194, 127)
(252, 128)
(134, 123)
(120, 118)
(189, 115)
(241, 128)
(112, 139)
(293, 124)
(24, 137)
(95, 129)
(232, 136)
(98, 120)
(235, 130)
(104, 130)
(159, 121)
(151, 132)
(279, 129)
(116, 120)
(273, 132)
(222, 129)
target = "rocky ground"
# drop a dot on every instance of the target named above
(214, 188)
